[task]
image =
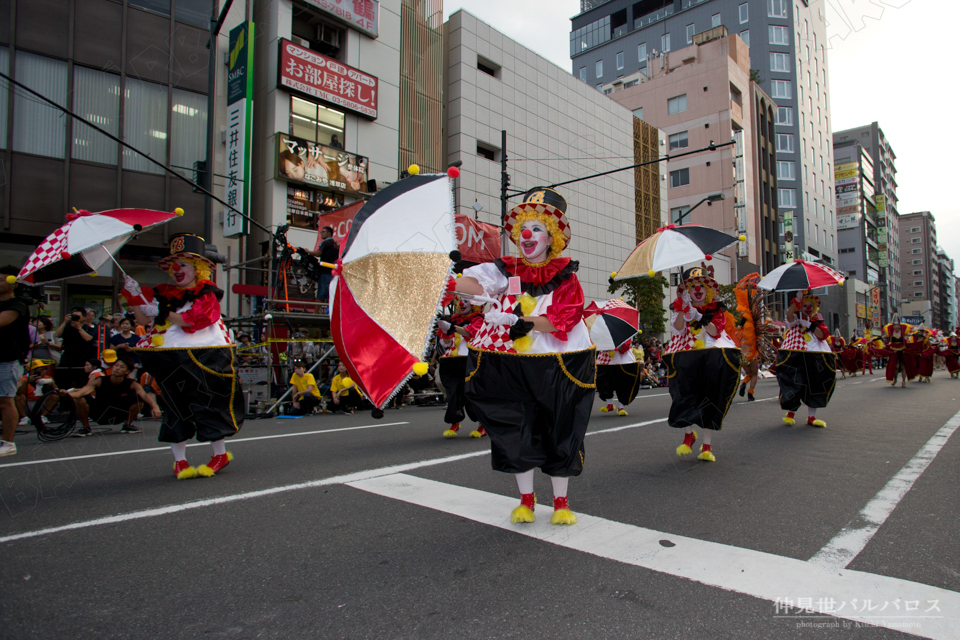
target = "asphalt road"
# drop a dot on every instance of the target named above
(346, 527)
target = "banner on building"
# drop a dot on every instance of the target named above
(318, 76)
(915, 321)
(477, 241)
(239, 129)
(362, 15)
(848, 221)
(846, 181)
(849, 173)
(846, 166)
(788, 251)
(881, 203)
(320, 166)
(861, 310)
(848, 188)
(852, 208)
(340, 221)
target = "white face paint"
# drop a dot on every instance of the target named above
(698, 294)
(807, 308)
(184, 273)
(535, 241)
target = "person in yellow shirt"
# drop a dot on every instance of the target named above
(306, 394)
(344, 393)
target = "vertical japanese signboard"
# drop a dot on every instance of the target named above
(239, 129)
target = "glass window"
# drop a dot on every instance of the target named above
(677, 104)
(678, 140)
(314, 122)
(188, 129)
(777, 8)
(745, 36)
(619, 60)
(158, 6)
(96, 97)
(598, 72)
(678, 215)
(195, 12)
(145, 125)
(779, 35)
(691, 29)
(786, 170)
(39, 128)
(744, 13)
(679, 178)
(583, 74)
(780, 62)
(642, 54)
(785, 142)
(788, 198)
(715, 20)
(665, 43)
(785, 116)
(4, 96)
(781, 89)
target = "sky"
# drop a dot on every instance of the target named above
(889, 62)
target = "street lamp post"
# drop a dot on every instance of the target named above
(709, 200)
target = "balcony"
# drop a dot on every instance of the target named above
(652, 11)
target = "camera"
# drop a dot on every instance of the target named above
(75, 317)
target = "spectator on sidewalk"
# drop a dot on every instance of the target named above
(116, 400)
(45, 346)
(125, 340)
(39, 374)
(14, 344)
(305, 393)
(78, 345)
(343, 392)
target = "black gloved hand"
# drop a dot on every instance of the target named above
(520, 329)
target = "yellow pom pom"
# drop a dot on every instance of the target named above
(743, 238)
(156, 341)
(639, 331)
(613, 274)
(841, 282)
(178, 211)
(651, 273)
(413, 169)
(527, 304)
(611, 353)
(807, 337)
(11, 279)
(347, 382)
(698, 344)
(94, 274)
(524, 344)
(420, 368)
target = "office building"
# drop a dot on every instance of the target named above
(919, 262)
(557, 130)
(788, 59)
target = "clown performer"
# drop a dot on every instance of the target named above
(899, 351)
(618, 374)
(453, 333)
(807, 366)
(187, 351)
(531, 368)
(703, 362)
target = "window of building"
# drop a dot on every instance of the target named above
(97, 96)
(589, 36)
(786, 170)
(642, 54)
(158, 6)
(678, 140)
(780, 62)
(38, 128)
(744, 13)
(785, 116)
(195, 12)
(188, 129)
(665, 43)
(715, 20)
(583, 74)
(918, 283)
(488, 67)
(918, 294)
(914, 229)
(145, 125)
(487, 151)
(805, 177)
(777, 8)
(619, 60)
(788, 197)
(677, 104)
(918, 261)
(691, 29)
(631, 83)
(916, 251)
(736, 96)
(745, 36)
(918, 272)
(779, 35)
(608, 91)
(678, 215)
(598, 72)
(679, 178)
(5, 67)
(638, 113)
(314, 122)
(781, 89)
(915, 240)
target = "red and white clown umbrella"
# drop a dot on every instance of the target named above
(87, 241)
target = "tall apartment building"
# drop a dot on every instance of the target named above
(948, 294)
(557, 130)
(874, 142)
(137, 68)
(704, 96)
(788, 58)
(919, 262)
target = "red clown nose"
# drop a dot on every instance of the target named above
(526, 234)
(175, 267)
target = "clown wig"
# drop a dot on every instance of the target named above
(201, 266)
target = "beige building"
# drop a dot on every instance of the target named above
(558, 129)
(701, 95)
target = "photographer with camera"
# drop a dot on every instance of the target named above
(78, 346)
(116, 400)
(14, 344)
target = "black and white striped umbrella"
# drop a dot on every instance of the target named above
(674, 246)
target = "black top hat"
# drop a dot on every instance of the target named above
(186, 245)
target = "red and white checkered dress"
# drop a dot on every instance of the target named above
(799, 338)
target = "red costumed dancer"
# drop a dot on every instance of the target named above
(925, 351)
(837, 345)
(900, 351)
(950, 350)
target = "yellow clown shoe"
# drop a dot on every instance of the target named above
(688, 440)
(562, 513)
(524, 513)
(706, 455)
(452, 431)
(622, 412)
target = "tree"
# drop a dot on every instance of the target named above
(755, 76)
(646, 294)
(729, 298)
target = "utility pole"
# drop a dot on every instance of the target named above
(504, 184)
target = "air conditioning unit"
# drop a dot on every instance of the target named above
(303, 42)
(328, 35)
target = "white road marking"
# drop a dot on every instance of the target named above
(231, 442)
(761, 575)
(845, 546)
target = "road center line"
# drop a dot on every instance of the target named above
(847, 544)
(761, 575)
(232, 441)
